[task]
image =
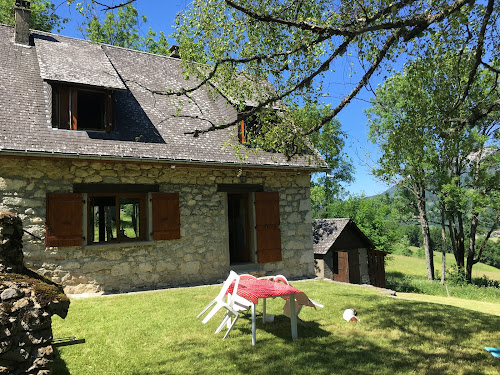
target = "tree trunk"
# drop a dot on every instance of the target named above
(472, 247)
(426, 235)
(443, 246)
(460, 242)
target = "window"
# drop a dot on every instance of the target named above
(78, 108)
(252, 128)
(116, 218)
(111, 217)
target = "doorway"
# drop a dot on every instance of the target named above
(238, 208)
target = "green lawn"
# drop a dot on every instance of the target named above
(412, 266)
(158, 333)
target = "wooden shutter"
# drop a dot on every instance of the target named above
(267, 217)
(74, 109)
(63, 226)
(166, 216)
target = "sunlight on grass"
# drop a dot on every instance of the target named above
(481, 306)
(416, 266)
(158, 333)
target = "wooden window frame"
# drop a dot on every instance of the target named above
(65, 107)
(142, 217)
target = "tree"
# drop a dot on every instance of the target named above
(329, 142)
(395, 121)
(43, 16)
(424, 151)
(122, 29)
(293, 43)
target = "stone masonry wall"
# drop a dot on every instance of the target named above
(201, 255)
(27, 303)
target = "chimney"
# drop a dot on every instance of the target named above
(174, 52)
(22, 14)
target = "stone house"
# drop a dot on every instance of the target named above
(115, 194)
(342, 252)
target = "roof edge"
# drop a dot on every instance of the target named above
(125, 159)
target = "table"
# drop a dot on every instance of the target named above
(253, 289)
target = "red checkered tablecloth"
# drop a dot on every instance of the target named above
(253, 289)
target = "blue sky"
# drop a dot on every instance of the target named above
(160, 16)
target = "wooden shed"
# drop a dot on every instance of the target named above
(342, 252)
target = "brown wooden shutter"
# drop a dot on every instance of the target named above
(267, 217)
(63, 226)
(74, 109)
(64, 107)
(166, 216)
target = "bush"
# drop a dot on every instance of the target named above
(486, 282)
(402, 247)
(456, 275)
(413, 233)
(491, 254)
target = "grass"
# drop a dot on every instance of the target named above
(413, 266)
(158, 333)
(409, 274)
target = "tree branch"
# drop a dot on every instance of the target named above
(111, 7)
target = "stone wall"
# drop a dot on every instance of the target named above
(27, 303)
(201, 255)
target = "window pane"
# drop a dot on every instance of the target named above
(103, 220)
(130, 217)
(91, 106)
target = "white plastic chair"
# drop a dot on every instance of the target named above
(219, 300)
(233, 304)
(280, 279)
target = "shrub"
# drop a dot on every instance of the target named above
(456, 275)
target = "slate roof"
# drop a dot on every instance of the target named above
(148, 126)
(327, 231)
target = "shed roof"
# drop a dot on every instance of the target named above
(149, 126)
(338, 234)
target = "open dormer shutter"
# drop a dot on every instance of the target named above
(267, 216)
(63, 225)
(166, 216)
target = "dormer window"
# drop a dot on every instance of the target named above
(254, 125)
(79, 108)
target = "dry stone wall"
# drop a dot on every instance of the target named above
(201, 255)
(27, 303)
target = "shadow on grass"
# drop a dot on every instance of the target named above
(401, 337)
(60, 367)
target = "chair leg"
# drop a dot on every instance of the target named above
(227, 319)
(231, 327)
(205, 309)
(212, 313)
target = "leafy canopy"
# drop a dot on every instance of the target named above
(43, 16)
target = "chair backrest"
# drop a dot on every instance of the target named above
(280, 279)
(233, 276)
(247, 276)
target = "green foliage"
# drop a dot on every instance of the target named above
(293, 44)
(422, 151)
(412, 232)
(491, 254)
(122, 29)
(402, 247)
(456, 275)
(43, 16)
